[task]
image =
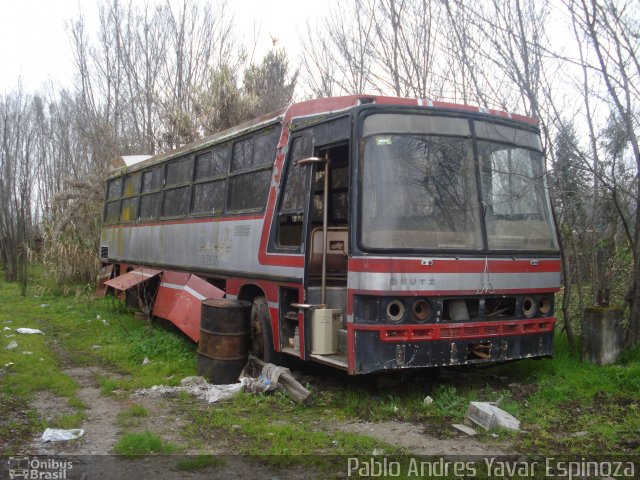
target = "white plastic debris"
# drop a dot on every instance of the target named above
(8, 364)
(106, 324)
(146, 361)
(27, 353)
(29, 331)
(267, 380)
(377, 451)
(6, 329)
(13, 344)
(395, 409)
(427, 400)
(58, 435)
(489, 416)
(198, 387)
(44, 305)
(96, 346)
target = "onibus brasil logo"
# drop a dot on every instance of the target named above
(38, 468)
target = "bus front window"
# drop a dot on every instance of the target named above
(419, 192)
(419, 186)
(517, 214)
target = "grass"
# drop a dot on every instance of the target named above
(135, 411)
(142, 443)
(107, 385)
(132, 417)
(68, 420)
(93, 330)
(280, 433)
(78, 330)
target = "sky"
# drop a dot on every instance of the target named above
(35, 46)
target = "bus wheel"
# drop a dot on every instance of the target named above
(261, 337)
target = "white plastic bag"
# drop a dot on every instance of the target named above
(58, 435)
(29, 331)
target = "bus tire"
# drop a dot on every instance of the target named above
(261, 335)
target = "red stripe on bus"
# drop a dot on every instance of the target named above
(457, 331)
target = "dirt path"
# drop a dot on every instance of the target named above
(92, 457)
(417, 440)
(100, 431)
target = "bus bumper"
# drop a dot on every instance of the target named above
(372, 354)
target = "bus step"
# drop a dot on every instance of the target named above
(334, 360)
(291, 351)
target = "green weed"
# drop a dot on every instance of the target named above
(69, 420)
(108, 385)
(132, 416)
(143, 443)
(135, 411)
(76, 403)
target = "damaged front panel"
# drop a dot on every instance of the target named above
(373, 355)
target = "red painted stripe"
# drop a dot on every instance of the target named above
(458, 331)
(326, 105)
(264, 258)
(413, 265)
(351, 348)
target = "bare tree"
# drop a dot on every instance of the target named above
(610, 30)
(16, 172)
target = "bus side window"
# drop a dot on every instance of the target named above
(291, 214)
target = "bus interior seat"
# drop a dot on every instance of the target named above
(337, 238)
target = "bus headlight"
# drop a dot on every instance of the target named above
(395, 310)
(545, 305)
(421, 310)
(529, 307)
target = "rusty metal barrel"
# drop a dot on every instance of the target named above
(224, 340)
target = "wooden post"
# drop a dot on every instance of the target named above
(287, 383)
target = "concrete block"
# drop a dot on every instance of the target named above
(602, 335)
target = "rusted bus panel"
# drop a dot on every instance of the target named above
(213, 244)
(374, 355)
(133, 278)
(179, 300)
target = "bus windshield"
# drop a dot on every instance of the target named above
(420, 190)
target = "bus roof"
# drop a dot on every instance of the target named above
(320, 106)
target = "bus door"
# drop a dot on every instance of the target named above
(299, 226)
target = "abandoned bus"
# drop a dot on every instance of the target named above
(368, 233)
